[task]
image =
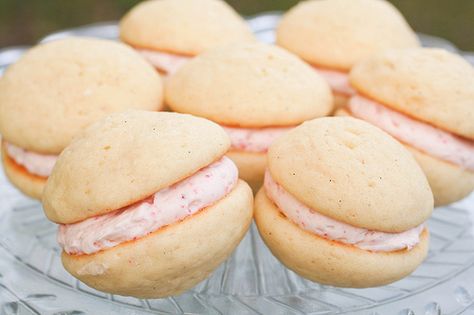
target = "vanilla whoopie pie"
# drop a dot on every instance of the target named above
(332, 35)
(170, 32)
(425, 99)
(57, 89)
(256, 92)
(344, 204)
(148, 203)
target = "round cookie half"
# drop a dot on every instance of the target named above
(249, 85)
(29, 184)
(172, 259)
(408, 86)
(57, 89)
(338, 33)
(183, 26)
(351, 171)
(330, 262)
(126, 158)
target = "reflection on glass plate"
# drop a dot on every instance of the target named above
(252, 281)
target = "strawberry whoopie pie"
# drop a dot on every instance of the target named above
(332, 35)
(57, 89)
(425, 99)
(148, 203)
(256, 92)
(170, 32)
(330, 208)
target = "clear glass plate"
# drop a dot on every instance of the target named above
(251, 281)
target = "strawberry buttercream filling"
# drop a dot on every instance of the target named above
(427, 138)
(165, 207)
(256, 140)
(323, 226)
(35, 163)
(166, 62)
(337, 80)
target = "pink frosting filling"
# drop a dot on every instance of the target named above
(337, 80)
(167, 62)
(254, 140)
(35, 163)
(429, 139)
(165, 207)
(314, 222)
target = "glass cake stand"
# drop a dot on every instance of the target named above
(251, 281)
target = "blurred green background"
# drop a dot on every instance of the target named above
(25, 21)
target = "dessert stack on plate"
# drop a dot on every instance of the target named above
(256, 92)
(57, 89)
(425, 99)
(148, 204)
(170, 32)
(332, 35)
(344, 204)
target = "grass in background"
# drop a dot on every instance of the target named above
(24, 22)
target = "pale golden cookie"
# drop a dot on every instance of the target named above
(338, 183)
(330, 262)
(172, 259)
(431, 85)
(186, 27)
(57, 89)
(127, 157)
(249, 85)
(352, 172)
(338, 33)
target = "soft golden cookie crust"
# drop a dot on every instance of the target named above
(183, 26)
(126, 158)
(172, 259)
(330, 262)
(429, 84)
(249, 85)
(57, 89)
(29, 184)
(338, 33)
(352, 172)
